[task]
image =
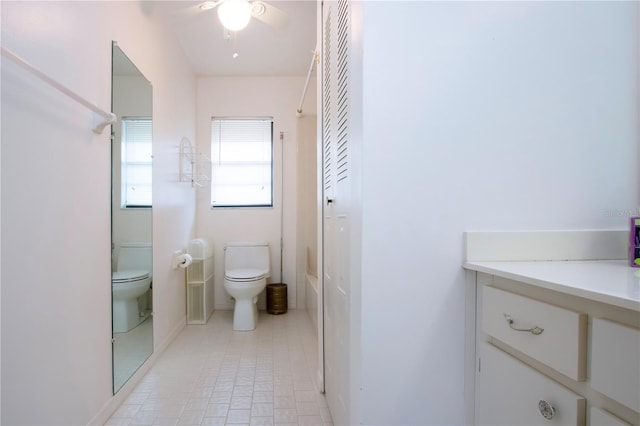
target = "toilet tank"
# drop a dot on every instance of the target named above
(241, 255)
(134, 256)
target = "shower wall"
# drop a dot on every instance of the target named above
(308, 205)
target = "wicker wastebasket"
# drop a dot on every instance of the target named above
(277, 299)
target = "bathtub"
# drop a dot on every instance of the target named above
(311, 296)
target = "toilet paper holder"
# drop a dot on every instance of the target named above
(181, 260)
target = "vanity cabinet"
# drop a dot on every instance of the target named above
(533, 327)
(545, 356)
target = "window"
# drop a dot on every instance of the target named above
(136, 162)
(242, 162)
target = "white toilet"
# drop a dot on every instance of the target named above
(130, 280)
(246, 268)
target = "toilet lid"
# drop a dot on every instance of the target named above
(133, 275)
(245, 274)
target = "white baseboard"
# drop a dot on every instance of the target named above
(116, 400)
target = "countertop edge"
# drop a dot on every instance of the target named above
(495, 269)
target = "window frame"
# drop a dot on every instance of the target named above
(124, 164)
(271, 163)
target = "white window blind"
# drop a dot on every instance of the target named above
(242, 162)
(136, 162)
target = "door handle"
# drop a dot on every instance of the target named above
(533, 330)
(329, 200)
(546, 409)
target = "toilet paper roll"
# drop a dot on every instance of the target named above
(184, 260)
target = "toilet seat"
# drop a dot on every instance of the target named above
(245, 274)
(120, 277)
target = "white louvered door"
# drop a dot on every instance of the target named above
(337, 194)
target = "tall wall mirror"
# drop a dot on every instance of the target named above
(131, 218)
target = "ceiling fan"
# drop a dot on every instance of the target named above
(236, 14)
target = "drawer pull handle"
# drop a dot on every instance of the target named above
(533, 330)
(546, 409)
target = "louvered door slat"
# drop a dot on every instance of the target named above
(327, 112)
(342, 80)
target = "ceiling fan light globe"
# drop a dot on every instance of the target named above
(234, 14)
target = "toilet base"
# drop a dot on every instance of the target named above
(245, 314)
(126, 315)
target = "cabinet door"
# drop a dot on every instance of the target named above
(615, 362)
(510, 393)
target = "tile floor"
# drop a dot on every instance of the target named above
(212, 375)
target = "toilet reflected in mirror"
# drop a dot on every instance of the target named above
(130, 283)
(131, 218)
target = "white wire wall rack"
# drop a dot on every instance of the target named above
(195, 167)
(107, 117)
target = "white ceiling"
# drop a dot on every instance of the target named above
(262, 50)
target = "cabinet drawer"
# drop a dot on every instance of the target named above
(511, 391)
(615, 362)
(560, 341)
(602, 418)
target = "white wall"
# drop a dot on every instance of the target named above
(56, 276)
(478, 116)
(277, 97)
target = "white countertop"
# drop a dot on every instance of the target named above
(609, 281)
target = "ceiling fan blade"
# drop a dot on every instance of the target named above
(196, 9)
(269, 14)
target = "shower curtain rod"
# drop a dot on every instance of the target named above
(306, 83)
(109, 117)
